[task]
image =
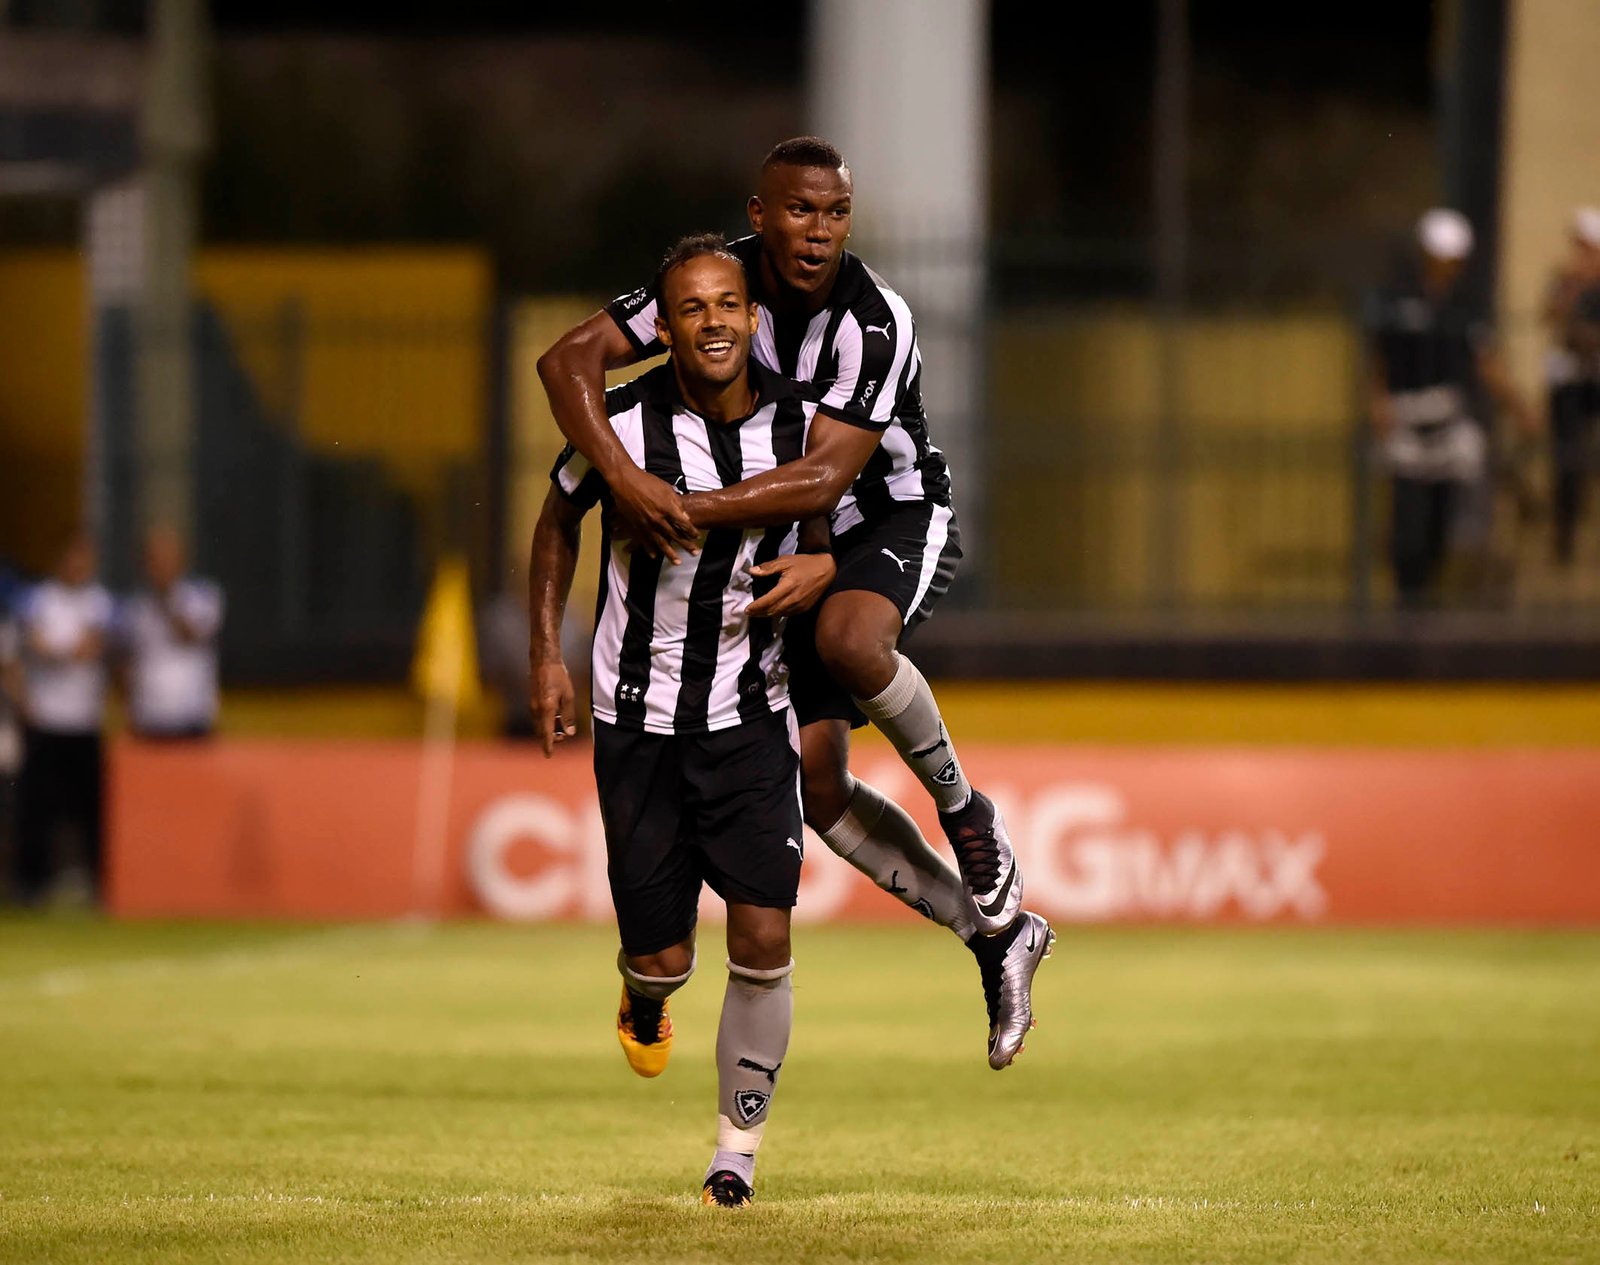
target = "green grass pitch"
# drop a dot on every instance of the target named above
(381, 1093)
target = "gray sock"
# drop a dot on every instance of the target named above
(879, 838)
(752, 1039)
(658, 987)
(908, 716)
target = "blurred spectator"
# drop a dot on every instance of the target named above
(64, 626)
(1572, 373)
(1433, 366)
(169, 632)
(503, 656)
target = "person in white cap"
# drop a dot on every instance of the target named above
(1436, 377)
(1572, 374)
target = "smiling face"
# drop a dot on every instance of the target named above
(706, 317)
(803, 217)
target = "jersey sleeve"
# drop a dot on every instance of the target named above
(872, 358)
(576, 480)
(635, 314)
(49, 625)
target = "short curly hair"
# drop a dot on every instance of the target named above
(694, 246)
(803, 151)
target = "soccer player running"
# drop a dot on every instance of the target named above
(828, 320)
(695, 749)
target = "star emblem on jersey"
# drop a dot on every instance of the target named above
(630, 693)
(750, 1103)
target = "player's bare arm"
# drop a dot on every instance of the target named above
(835, 453)
(552, 561)
(574, 375)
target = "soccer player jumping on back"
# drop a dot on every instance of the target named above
(827, 320)
(695, 749)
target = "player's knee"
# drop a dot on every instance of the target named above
(825, 787)
(759, 943)
(658, 975)
(857, 654)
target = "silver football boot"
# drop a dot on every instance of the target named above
(1008, 988)
(989, 872)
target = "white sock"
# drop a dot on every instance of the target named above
(879, 838)
(908, 716)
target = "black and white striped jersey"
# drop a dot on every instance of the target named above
(860, 353)
(674, 650)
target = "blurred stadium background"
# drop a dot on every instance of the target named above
(278, 275)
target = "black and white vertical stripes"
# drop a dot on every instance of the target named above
(674, 650)
(860, 354)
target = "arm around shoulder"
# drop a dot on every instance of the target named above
(836, 450)
(573, 372)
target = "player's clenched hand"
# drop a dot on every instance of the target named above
(802, 580)
(653, 516)
(552, 705)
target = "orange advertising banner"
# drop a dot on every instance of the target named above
(330, 830)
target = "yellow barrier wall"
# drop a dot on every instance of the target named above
(1073, 418)
(395, 359)
(43, 401)
(1112, 713)
(390, 361)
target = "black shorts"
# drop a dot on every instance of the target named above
(721, 808)
(908, 555)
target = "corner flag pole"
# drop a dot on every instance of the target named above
(445, 673)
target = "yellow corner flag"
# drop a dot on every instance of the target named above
(446, 664)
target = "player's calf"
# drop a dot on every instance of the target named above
(908, 716)
(752, 1040)
(881, 840)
